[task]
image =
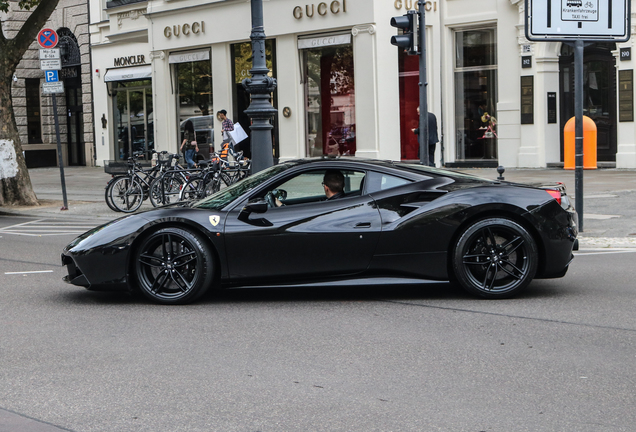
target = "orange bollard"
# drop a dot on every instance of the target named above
(589, 144)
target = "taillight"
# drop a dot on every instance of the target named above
(556, 194)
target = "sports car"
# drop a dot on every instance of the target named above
(392, 223)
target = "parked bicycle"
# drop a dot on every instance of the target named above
(126, 192)
(221, 169)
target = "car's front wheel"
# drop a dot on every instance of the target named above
(174, 266)
(494, 258)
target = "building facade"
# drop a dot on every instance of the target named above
(343, 88)
(34, 110)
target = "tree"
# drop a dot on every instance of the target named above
(15, 183)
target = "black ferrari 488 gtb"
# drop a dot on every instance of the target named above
(383, 222)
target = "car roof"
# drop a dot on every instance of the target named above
(413, 170)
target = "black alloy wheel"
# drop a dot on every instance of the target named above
(494, 258)
(174, 266)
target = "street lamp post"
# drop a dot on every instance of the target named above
(260, 86)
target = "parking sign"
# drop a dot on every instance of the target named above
(51, 76)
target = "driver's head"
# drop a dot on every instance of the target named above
(333, 181)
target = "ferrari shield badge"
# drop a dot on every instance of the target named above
(214, 220)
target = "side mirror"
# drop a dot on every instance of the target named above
(255, 206)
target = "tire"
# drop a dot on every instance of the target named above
(174, 266)
(171, 187)
(494, 258)
(107, 192)
(212, 186)
(192, 190)
(126, 194)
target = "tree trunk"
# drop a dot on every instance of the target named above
(15, 183)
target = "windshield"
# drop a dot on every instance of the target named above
(222, 198)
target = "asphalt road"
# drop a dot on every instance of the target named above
(560, 357)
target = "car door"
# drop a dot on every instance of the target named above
(309, 237)
(413, 242)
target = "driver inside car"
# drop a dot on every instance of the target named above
(333, 187)
(333, 182)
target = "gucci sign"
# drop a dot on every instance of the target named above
(185, 29)
(323, 8)
(412, 5)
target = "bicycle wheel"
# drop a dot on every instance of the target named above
(165, 190)
(107, 192)
(126, 194)
(212, 185)
(227, 178)
(192, 190)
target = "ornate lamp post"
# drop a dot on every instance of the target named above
(260, 86)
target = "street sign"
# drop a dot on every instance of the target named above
(51, 76)
(51, 64)
(49, 53)
(47, 38)
(587, 20)
(53, 87)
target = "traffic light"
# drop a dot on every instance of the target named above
(408, 24)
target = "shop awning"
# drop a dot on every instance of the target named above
(128, 74)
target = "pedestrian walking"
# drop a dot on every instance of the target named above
(189, 145)
(226, 126)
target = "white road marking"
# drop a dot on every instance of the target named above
(29, 272)
(605, 251)
(598, 216)
(601, 196)
(47, 227)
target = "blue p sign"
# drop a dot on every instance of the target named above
(51, 76)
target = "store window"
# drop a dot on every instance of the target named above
(476, 94)
(193, 74)
(133, 119)
(242, 64)
(329, 96)
(34, 116)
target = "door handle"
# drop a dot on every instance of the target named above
(363, 225)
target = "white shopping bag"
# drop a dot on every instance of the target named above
(238, 134)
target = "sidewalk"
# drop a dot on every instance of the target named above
(609, 206)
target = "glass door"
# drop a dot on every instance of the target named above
(330, 101)
(132, 105)
(599, 94)
(75, 120)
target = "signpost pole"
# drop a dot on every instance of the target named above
(578, 129)
(59, 151)
(423, 135)
(51, 62)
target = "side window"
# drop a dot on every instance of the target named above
(307, 187)
(378, 181)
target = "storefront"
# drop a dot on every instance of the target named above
(343, 89)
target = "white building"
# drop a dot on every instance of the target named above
(343, 88)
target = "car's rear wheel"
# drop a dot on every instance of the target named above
(174, 266)
(494, 258)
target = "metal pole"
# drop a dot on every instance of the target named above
(578, 129)
(260, 86)
(59, 152)
(423, 135)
